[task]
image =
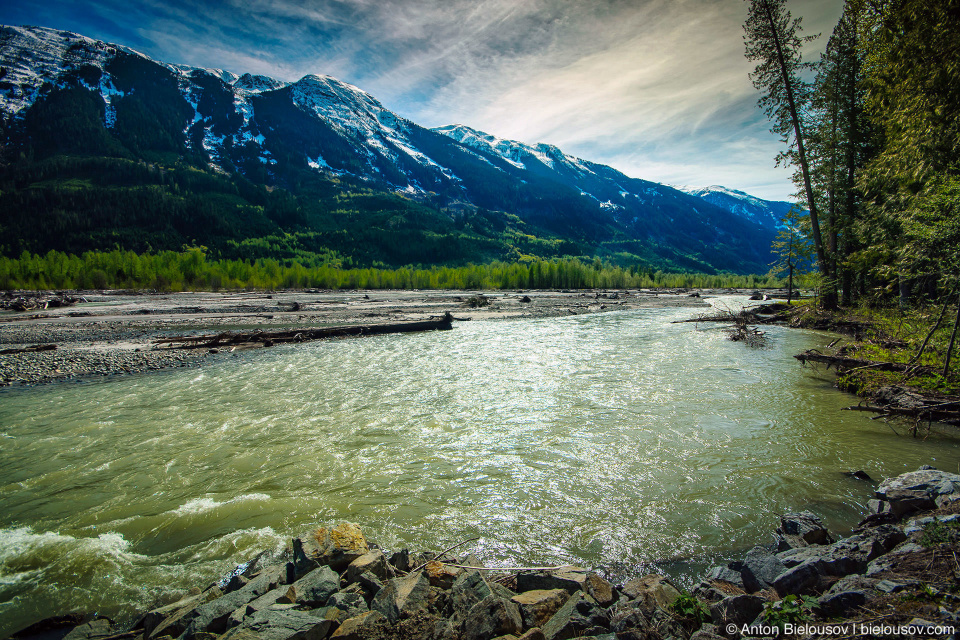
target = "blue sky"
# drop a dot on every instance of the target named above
(656, 88)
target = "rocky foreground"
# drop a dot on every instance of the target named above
(897, 575)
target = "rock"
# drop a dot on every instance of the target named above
(892, 560)
(93, 630)
(628, 620)
(369, 584)
(848, 555)
(599, 589)
(533, 634)
(493, 616)
(878, 506)
(858, 475)
(402, 597)
(539, 605)
(373, 561)
(801, 530)
(579, 613)
(651, 592)
(799, 579)
(891, 586)
(853, 582)
(401, 560)
(441, 575)
(302, 564)
(571, 579)
(841, 603)
(360, 627)
(352, 604)
(316, 587)
(269, 624)
(164, 619)
(340, 546)
(707, 632)
(285, 595)
(915, 525)
(909, 492)
(727, 574)
(738, 610)
(760, 569)
(213, 615)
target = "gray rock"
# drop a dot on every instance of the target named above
(270, 624)
(891, 586)
(539, 605)
(799, 579)
(164, 619)
(841, 603)
(599, 589)
(628, 620)
(361, 627)
(918, 488)
(801, 530)
(579, 613)
(402, 597)
(369, 584)
(285, 594)
(212, 616)
(878, 506)
(760, 569)
(401, 560)
(890, 561)
(848, 555)
(651, 592)
(571, 579)
(373, 561)
(854, 582)
(302, 563)
(491, 617)
(738, 610)
(707, 632)
(93, 630)
(352, 604)
(316, 587)
(726, 574)
(903, 502)
(915, 525)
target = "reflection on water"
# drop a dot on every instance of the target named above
(612, 440)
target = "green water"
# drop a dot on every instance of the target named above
(603, 440)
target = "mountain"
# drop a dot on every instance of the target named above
(766, 213)
(110, 148)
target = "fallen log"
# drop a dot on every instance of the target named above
(853, 363)
(268, 338)
(34, 349)
(931, 412)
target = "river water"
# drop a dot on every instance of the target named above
(610, 440)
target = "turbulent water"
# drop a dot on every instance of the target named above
(602, 440)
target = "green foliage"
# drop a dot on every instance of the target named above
(936, 533)
(792, 609)
(690, 607)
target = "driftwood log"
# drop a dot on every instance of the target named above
(35, 348)
(269, 338)
(850, 364)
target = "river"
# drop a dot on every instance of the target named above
(608, 440)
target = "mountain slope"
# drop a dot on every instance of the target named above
(767, 213)
(320, 141)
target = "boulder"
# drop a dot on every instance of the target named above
(890, 561)
(801, 530)
(352, 604)
(802, 578)
(361, 627)
(917, 490)
(441, 575)
(853, 582)
(707, 632)
(569, 578)
(369, 584)
(578, 614)
(212, 616)
(599, 589)
(491, 617)
(533, 634)
(539, 605)
(283, 595)
(736, 610)
(848, 555)
(401, 560)
(270, 624)
(316, 587)
(93, 630)
(651, 592)
(760, 569)
(841, 603)
(302, 563)
(373, 561)
(729, 573)
(402, 597)
(163, 620)
(339, 546)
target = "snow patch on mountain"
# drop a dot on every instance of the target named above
(518, 154)
(767, 213)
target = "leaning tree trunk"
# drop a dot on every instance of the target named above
(953, 337)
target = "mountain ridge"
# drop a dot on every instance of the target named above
(319, 131)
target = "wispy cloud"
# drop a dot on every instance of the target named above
(657, 88)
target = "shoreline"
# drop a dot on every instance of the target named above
(113, 333)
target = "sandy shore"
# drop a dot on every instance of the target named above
(113, 333)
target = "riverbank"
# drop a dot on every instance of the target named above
(896, 576)
(115, 332)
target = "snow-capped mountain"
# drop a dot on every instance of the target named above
(288, 133)
(767, 213)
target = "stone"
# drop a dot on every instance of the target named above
(802, 578)
(891, 586)
(360, 627)
(212, 616)
(341, 545)
(909, 492)
(848, 555)
(878, 506)
(599, 589)
(801, 530)
(441, 575)
(284, 594)
(841, 603)
(539, 605)
(93, 630)
(651, 592)
(316, 587)
(269, 624)
(369, 584)
(402, 597)
(302, 562)
(533, 634)
(579, 613)
(726, 574)
(493, 616)
(707, 632)
(760, 569)
(903, 502)
(352, 604)
(892, 560)
(628, 620)
(738, 610)
(401, 560)
(569, 578)
(854, 582)
(373, 561)
(164, 619)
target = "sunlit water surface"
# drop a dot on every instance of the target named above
(607, 440)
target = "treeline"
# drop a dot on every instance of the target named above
(192, 270)
(873, 132)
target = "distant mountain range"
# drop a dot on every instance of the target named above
(358, 181)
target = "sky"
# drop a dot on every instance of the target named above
(658, 89)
